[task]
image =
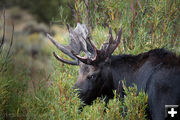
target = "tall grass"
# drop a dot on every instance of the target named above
(146, 25)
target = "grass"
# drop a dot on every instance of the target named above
(41, 87)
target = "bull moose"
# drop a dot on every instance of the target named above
(157, 71)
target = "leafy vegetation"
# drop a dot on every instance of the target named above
(146, 24)
(43, 10)
(30, 91)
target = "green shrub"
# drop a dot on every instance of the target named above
(58, 101)
(43, 10)
(146, 25)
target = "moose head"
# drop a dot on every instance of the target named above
(95, 77)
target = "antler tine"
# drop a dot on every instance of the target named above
(117, 41)
(67, 25)
(110, 36)
(69, 28)
(65, 50)
(118, 37)
(92, 44)
(94, 48)
(76, 62)
(113, 44)
(85, 59)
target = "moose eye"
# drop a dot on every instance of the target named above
(91, 77)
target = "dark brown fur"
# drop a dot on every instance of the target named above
(157, 72)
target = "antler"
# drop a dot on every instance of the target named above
(77, 44)
(80, 40)
(106, 49)
(112, 44)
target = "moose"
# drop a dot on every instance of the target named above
(157, 71)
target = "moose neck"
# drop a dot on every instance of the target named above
(123, 67)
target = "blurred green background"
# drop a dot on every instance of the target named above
(33, 85)
(43, 10)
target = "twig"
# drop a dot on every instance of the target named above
(10, 46)
(3, 36)
(88, 14)
(77, 12)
